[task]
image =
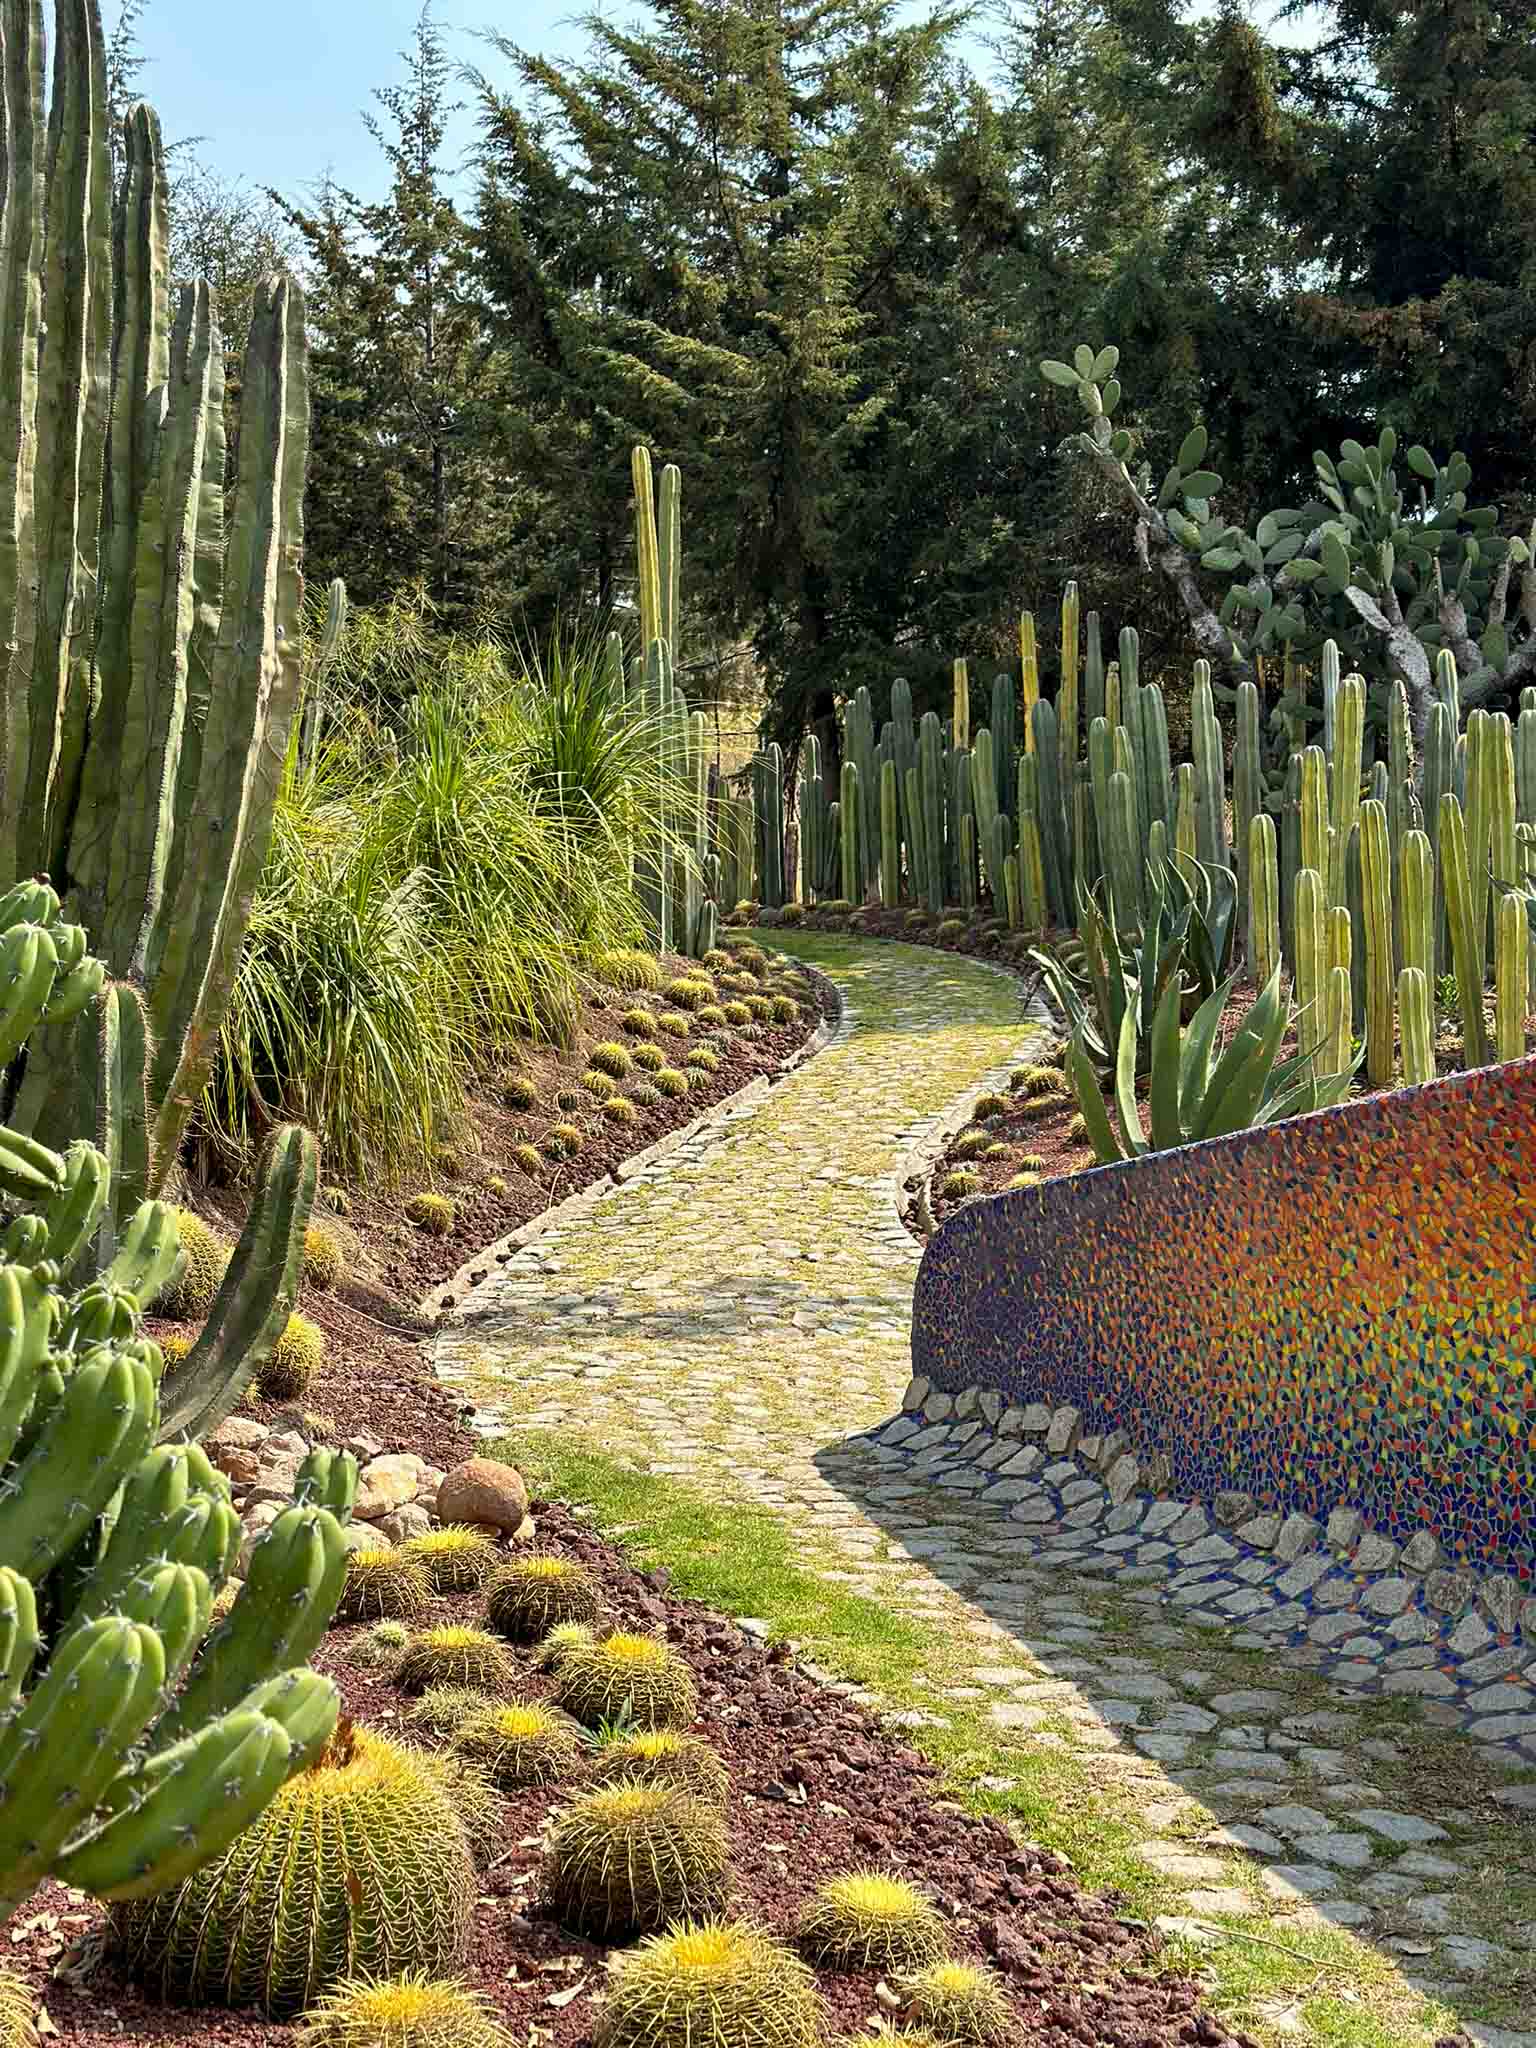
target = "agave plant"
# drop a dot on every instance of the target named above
(1185, 942)
(1193, 1094)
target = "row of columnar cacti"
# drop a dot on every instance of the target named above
(1366, 872)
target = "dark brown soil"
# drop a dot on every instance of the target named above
(817, 1788)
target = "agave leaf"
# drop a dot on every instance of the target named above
(1129, 1116)
(1167, 1122)
(1243, 1073)
(1085, 1083)
(1195, 1062)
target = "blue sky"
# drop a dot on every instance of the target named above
(278, 90)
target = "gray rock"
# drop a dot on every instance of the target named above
(1501, 1600)
(1343, 1912)
(1011, 1423)
(1398, 1827)
(1424, 1685)
(1261, 1531)
(1036, 1419)
(1421, 1553)
(1346, 1852)
(1387, 1596)
(1450, 1592)
(1239, 1834)
(1208, 1550)
(1419, 1863)
(1303, 1575)
(1122, 1477)
(1470, 1635)
(991, 1407)
(1161, 1517)
(1296, 1820)
(1307, 1878)
(967, 1402)
(1165, 1749)
(1502, 1699)
(1504, 1727)
(1023, 1463)
(1345, 1528)
(1033, 1511)
(1063, 1432)
(939, 1407)
(1190, 1526)
(1373, 1553)
(1080, 1490)
(1087, 1449)
(1298, 1534)
(1255, 1702)
(1231, 1507)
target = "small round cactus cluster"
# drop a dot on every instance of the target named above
(205, 1256)
(990, 1106)
(626, 1677)
(785, 1009)
(690, 992)
(650, 1057)
(962, 1182)
(630, 1858)
(569, 1099)
(455, 1559)
(969, 1145)
(296, 1357)
(711, 1015)
(618, 1109)
(432, 1213)
(527, 1598)
(443, 1709)
(1078, 1128)
(569, 1137)
(455, 1656)
(627, 967)
(611, 1058)
(520, 1093)
(869, 1920)
(959, 2002)
(1034, 1080)
(671, 1081)
(661, 1756)
(527, 1159)
(714, 1982)
(385, 1584)
(597, 1083)
(704, 1058)
(519, 1744)
(759, 1007)
(322, 1256)
(674, 1023)
(415, 2011)
(737, 1013)
(951, 927)
(639, 1023)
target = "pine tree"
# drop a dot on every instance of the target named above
(404, 485)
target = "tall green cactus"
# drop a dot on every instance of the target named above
(1247, 784)
(1344, 806)
(1416, 877)
(1263, 899)
(850, 819)
(1380, 976)
(1466, 939)
(1416, 1014)
(1309, 951)
(1511, 967)
(890, 837)
(154, 649)
(1210, 774)
(930, 756)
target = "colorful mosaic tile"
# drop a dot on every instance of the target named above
(1339, 1310)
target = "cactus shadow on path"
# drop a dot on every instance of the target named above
(738, 1318)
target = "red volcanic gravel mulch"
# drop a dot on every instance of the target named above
(817, 1789)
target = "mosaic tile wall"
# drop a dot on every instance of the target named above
(1337, 1311)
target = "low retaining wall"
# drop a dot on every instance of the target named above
(1338, 1311)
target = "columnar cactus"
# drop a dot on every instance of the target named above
(1210, 776)
(850, 818)
(1416, 875)
(1466, 939)
(154, 649)
(1376, 879)
(890, 837)
(930, 755)
(1344, 810)
(1511, 932)
(1247, 785)
(1416, 1014)
(1263, 898)
(1309, 949)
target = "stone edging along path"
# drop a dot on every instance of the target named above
(736, 1314)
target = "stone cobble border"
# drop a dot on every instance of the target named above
(449, 1293)
(1339, 1599)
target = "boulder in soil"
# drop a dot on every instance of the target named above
(484, 1490)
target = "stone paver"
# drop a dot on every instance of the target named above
(738, 1316)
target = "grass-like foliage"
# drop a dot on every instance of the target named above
(448, 862)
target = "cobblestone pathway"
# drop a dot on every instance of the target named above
(737, 1316)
